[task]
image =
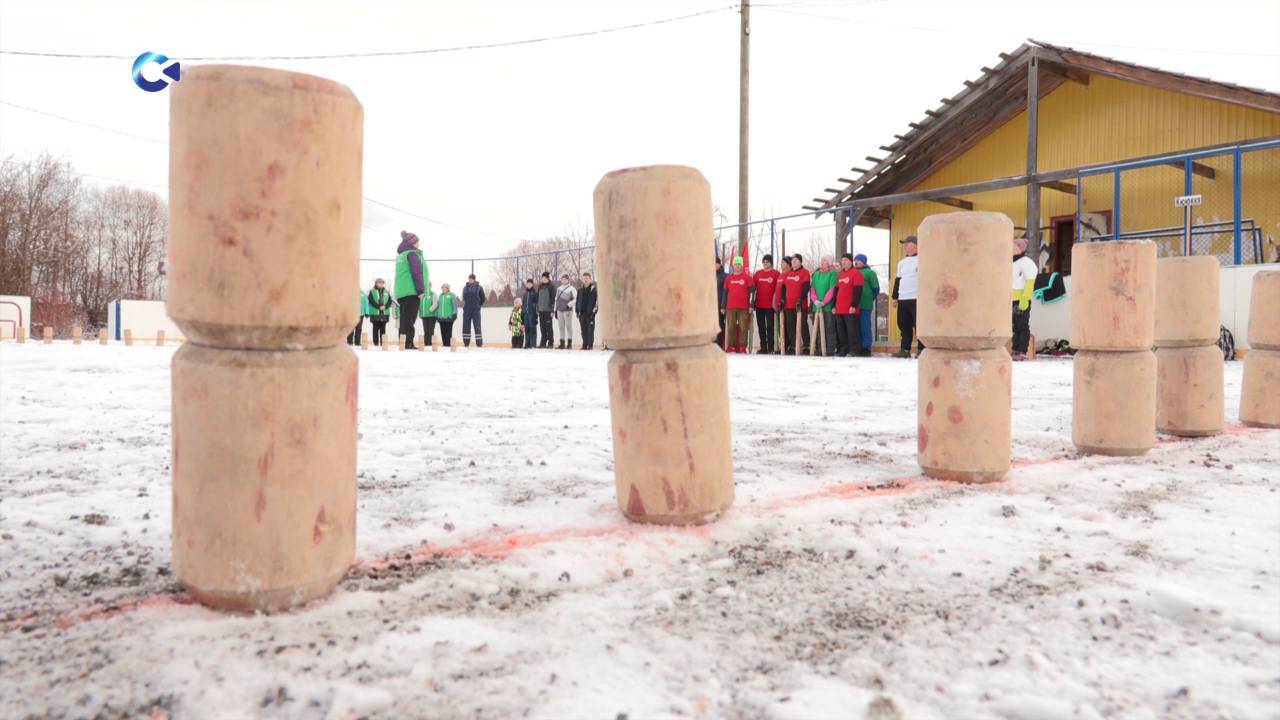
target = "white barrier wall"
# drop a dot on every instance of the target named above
(143, 318)
(15, 312)
(1054, 320)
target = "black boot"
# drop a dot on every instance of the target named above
(560, 346)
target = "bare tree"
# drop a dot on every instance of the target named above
(571, 253)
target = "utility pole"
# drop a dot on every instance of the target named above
(744, 60)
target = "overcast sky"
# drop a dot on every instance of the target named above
(508, 143)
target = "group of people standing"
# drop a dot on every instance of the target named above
(412, 298)
(839, 297)
(540, 304)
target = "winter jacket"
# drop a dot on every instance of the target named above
(516, 323)
(720, 291)
(796, 287)
(447, 306)
(426, 310)
(766, 288)
(364, 304)
(473, 296)
(566, 296)
(530, 301)
(737, 291)
(823, 290)
(546, 297)
(870, 288)
(906, 285)
(587, 300)
(848, 292)
(380, 304)
(411, 270)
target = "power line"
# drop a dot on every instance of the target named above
(81, 122)
(162, 142)
(389, 53)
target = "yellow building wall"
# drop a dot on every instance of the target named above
(1112, 120)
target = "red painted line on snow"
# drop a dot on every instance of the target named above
(500, 546)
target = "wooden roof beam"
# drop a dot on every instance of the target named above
(1200, 169)
(875, 160)
(860, 170)
(1060, 186)
(933, 113)
(948, 101)
(845, 180)
(953, 202)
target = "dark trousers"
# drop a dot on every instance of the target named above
(531, 332)
(408, 318)
(720, 335)
(865, 318)
(428, 330)
(848, 340)
(907, 323)
(789, 318)
(354, 337)
(588, 324)
(471, 327)
(379, 329)
(446, 331)
(517, 341)
(1021, 329)
(765, 328)
(544, 319)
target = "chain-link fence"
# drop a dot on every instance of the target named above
(1233, 211)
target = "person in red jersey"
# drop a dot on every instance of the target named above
(766, 280)
(738, 290)
(795, 284)
(848, 300)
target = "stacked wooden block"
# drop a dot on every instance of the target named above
(1260, 394)
(265, 172)
(668, 382)
(1112, 326)
(1189, 364)
(965, 374)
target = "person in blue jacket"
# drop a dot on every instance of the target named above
(472, 300)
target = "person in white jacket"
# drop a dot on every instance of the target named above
(1024, 281)
(566, 299)
(905, 289)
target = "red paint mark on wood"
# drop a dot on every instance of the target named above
(946, 296)
(622, 434)
(664, 425)
(353, 394)
(922, 438)
(937, 381)
(249, 213)
(955, 415)
(928, 409)
(635, 506)
(266, 459)
(682, 499)
(260, 505)
(669, 494)
(320, 528)
(624, 377)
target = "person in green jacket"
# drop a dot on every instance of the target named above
(380, 303)
(515, 324)
(353, 338)
(870, 291)
(428, 313)
(446, 313)
(822, 298)
(411, 283)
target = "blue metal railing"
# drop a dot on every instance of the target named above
(1187, 160)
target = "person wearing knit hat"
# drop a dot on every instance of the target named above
(738, 288)
(410, 284)
(870, 291)
(766, 280)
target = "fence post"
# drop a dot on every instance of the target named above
(772, 230)
(1115, 210)
(1079, 206)
(1236, 189)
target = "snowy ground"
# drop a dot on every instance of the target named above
(496, 578)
